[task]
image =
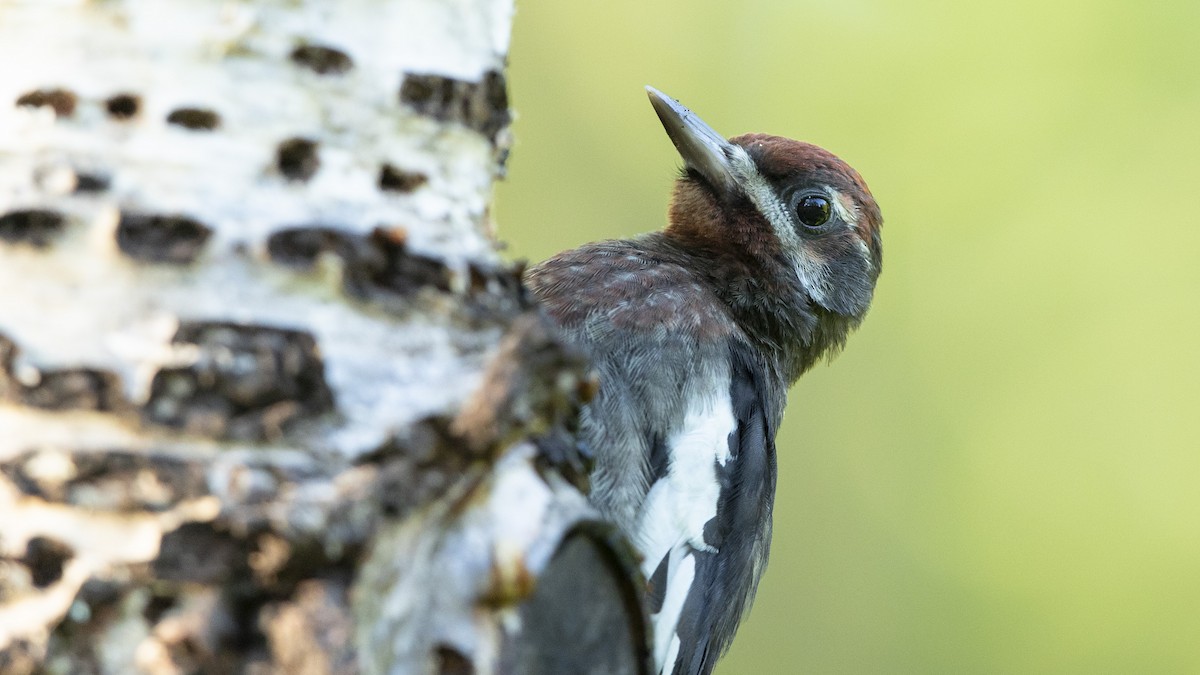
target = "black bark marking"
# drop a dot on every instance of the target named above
(249, 382)
(123, 106)
(99, 593)
(322, 60)
(91, 182)
(297, 159)
(379, 268)
(300, 247)
(63, 389)
(482, 106)
(393, 179)
(45, 558)
(63, 101)
(36, 227)
(389, 266)
(161, 239)
(418, 467)
(157, 606)
(197, 119)
(376, 265)
(112, 480)
(199, 553)
(75, 389)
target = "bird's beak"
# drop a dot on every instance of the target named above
(702, 149)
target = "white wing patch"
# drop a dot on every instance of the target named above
(671, 521)
(682, 571)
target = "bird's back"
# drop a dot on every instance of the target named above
(644, 321)
(682, 439)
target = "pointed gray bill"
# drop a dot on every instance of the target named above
(702, 149)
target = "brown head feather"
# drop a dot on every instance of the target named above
(782, 159)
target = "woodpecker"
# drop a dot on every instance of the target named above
(768, 261)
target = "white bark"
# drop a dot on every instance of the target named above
(249, 290)
(233, 59)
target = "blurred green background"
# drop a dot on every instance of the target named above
(1001, 474)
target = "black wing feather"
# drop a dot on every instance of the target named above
(725, 580)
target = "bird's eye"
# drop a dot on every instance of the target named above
(812, 211)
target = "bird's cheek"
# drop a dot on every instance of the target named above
(814, 273)
(835, 273)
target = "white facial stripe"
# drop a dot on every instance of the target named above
(846, 210)
(843, 208)
(814, 274)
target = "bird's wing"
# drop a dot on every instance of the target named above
(650, 330)
(683, 439)
(706, 522)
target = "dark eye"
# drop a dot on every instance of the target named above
(812, 211)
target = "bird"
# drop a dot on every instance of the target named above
(769, 259)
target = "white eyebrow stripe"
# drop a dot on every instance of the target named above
(846, 211)
(813, 273)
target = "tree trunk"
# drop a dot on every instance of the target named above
(269, 400)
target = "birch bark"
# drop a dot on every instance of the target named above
(269, 399)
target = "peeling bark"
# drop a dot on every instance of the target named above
(269, 399)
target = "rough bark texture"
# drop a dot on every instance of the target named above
(269, 400)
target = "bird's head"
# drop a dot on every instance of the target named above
(795, 227)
